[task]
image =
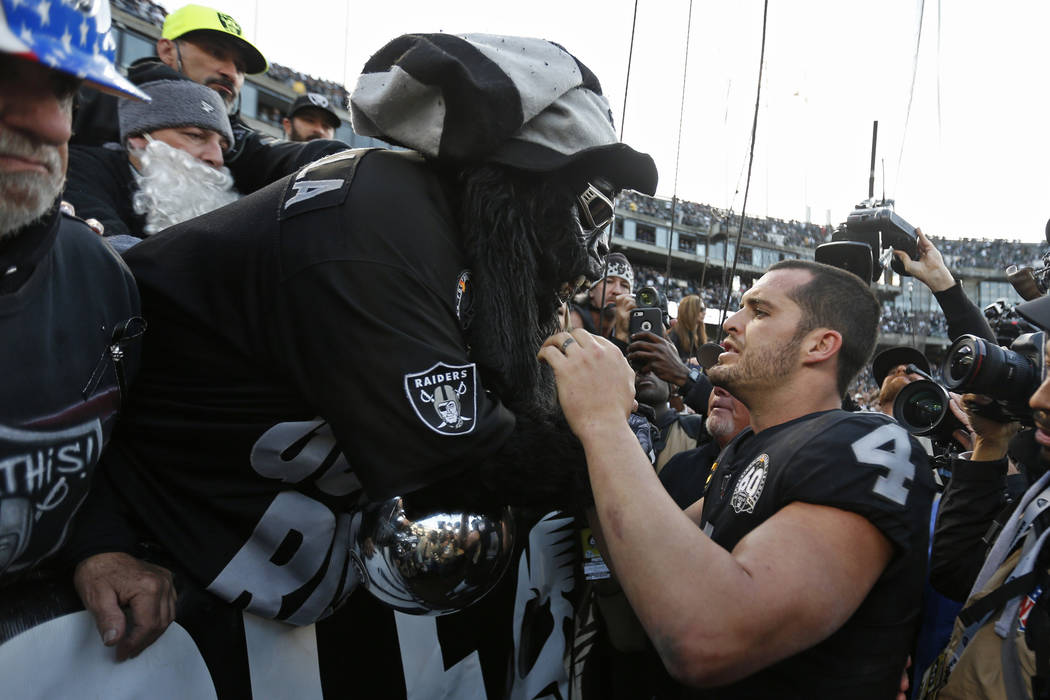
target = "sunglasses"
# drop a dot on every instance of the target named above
(594, 208)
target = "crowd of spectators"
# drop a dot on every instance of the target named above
(143, 9)
(704, 216)
(269, 114)
(864, 391)
(907, 322)
(995, 254)
(300, 82)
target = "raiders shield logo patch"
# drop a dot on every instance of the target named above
(444, 397)
(749, 486)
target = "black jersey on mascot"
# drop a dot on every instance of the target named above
(367, 328)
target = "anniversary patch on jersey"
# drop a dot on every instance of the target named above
(444, 397)
(749, 487)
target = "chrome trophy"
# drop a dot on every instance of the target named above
(434, 564)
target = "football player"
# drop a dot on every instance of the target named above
(800, 572)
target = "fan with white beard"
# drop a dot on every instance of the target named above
(173, 186)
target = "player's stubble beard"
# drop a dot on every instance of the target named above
(757, 370)
(522, 243)
(27, 196)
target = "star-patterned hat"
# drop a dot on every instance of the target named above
(72, 37)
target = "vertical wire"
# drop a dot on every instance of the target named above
(911, 90)
(627, 81)
(678, 150)
(747, 185)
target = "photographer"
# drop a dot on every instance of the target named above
(983, 504)
(602, 309)
(976, 493)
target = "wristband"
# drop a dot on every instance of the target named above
(691, 379)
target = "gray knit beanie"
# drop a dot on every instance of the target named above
(174, 103)
(523, 102)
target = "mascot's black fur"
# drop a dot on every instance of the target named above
(524, 244)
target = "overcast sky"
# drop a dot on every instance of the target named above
(975, 145)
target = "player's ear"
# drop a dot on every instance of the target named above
(820, 345)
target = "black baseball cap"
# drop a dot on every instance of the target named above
(312, 99)
(898, 355)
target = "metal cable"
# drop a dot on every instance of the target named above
(747, 184)
(911, 90)
(678, 151)
(627, 81)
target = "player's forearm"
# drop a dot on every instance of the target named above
(663, 561)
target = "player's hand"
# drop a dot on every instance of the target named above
(651, 352)
(929, 268)
(132, 601)
(595, 383)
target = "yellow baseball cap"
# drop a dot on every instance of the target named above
(193, 18)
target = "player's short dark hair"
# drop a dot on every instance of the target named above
(841, 301)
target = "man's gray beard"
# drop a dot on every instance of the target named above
(719, 426)
(173, 186)
(27, 196)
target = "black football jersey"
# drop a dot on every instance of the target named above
(860, 462)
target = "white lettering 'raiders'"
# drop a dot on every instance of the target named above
(444, 397)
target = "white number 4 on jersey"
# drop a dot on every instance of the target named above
(875, 448)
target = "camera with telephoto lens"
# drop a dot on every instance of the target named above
(650, 297)
(922, 408)
(1006, 322)
(1008, 375)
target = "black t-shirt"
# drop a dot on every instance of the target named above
(686, 474)
(305, 349)
(100, 185)
(64, 294)
(864, 463)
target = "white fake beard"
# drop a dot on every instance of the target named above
(173, 186)
(27, 196)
